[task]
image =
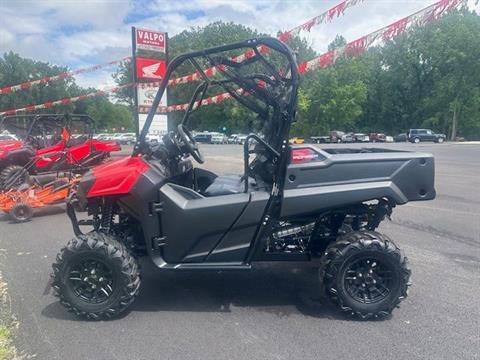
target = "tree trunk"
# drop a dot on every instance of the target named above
(454, 121)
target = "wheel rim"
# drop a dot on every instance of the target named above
(368, 280)
(92, 281)
(21, 213)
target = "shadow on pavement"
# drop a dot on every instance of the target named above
(280, 289)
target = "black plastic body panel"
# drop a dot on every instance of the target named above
(138, 204)
(198, 228)
(338, 180)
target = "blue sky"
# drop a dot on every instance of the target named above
(79, 33)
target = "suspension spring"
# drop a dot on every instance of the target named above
(107, 216)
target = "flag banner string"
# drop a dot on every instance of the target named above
(353, 49)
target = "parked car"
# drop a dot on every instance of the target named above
(417, 135)
(320, 139)
(8, 137)
(400, 137)
(116, 136)
(389, 139)
(103, 137)
(127, 138)
(153, 138)
(348, 138)
(377, 137)
(336, 136)
(219, 139)
(233, 139)
(359, 137)
(203, 137)
(296, 140)
(241, 139)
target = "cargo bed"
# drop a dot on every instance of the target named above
(337, 177)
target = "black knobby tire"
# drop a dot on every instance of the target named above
(96, 248)
(363, 247)
(21, 212)
(13, 176)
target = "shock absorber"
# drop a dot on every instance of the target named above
(107, 216)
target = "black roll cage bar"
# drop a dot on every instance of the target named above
(68, 117)
(286, 112)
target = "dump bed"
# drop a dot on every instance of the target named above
(319, 179)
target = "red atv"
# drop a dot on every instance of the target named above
(35, 142)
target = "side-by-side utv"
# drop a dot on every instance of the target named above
(41, 138)
(292, 202)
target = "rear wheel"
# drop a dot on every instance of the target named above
(12, 177)
(95, 277)
(440, 140)
(21, 212)
(365, 274)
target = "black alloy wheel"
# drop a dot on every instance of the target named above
(365, 273)
(368, 280)
(95, 276)
(91, 280)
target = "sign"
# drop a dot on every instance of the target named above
(146, 94)
(159, 124)
(150, 69)
(150, 40)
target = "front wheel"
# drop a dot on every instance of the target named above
(21, 212)
(95, 277)
(365, 274)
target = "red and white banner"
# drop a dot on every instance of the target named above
(150, 69)
(50, 104)
(360, 45)
(150, 40)
(354, 48)
(155, 40)
(64, 75)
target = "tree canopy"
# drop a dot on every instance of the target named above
(14, 70)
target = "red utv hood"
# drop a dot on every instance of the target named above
(5, 146)
(106, 145)
(115, 177)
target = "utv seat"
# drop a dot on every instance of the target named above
(228, 185)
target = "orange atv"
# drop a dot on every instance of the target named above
(45, 190)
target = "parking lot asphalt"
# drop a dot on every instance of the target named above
(274, 311)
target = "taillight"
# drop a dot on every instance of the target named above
(303, 155)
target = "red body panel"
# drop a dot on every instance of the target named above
(47, 160)
(117, 177)
(77, 153)
(105, 146)
(5, 146)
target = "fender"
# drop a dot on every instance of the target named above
(114, 178)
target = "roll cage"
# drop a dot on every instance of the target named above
(37, 124)
(266, 82)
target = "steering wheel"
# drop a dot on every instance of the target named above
(190, 143)
(34, 142)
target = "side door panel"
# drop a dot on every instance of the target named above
(235, 244)
(194, 225)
